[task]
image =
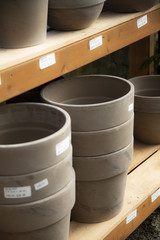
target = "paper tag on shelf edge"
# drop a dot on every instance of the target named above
(41, 184)
(142, 21)
(155, 195)
(17, 192)
(47, 61)
(131, 216)
(95, 42)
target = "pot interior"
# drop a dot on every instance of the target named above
(23, 123)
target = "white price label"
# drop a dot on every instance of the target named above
(142, 21)
(62, 146)
(47, 61)
(96, 42)
(17, 192)
(130, 107)
(131, 216)
(155, 195)
(41, 184)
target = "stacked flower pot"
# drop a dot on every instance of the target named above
(37, 180)
(101, 110)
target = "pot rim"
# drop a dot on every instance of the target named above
(89, 105)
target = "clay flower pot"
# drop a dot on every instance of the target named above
(100, 185)
(23, 23)
(73, 14)
(130, 6)
(94, 102)
(33, 136)
(147, 108)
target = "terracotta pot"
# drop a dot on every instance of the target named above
(49, 233)
(38, 214)
(102, 167)
(102, 142)
(23, 23)
(147, 108)
(98, 201)
(35, 186)
(73, 14)
(130, 6)
(93, 101)
(33, 137)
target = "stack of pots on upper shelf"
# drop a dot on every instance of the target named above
(23, 23)
(101, 110)
(73, 14)
(37, 180)
(147, 108)
(127, 6)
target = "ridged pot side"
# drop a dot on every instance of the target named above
(38, 214)
(103, 167)
(94, 102)
(37, 185)
(147, 108)
(96, 143)
(130, 6)
(23, 23)
(49, 233)
(33, 137)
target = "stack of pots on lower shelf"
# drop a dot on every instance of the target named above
(101, 110)
(37, 180)
(127, 6)
(147, 108)
(23, 23)
(73, 14)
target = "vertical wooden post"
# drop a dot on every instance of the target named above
(139, 52)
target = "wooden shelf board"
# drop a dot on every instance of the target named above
(19, 68)
(141, 184)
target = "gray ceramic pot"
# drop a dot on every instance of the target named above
(147, 108)
(130, 6)
(35, 186)
(23, 23)
(38, 214)
(100, 185)
(49, 233)
(94, 102)
(73, 14)
(98, 201)
(33, 137)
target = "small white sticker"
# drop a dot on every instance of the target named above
(0, 80)
(17, 192)
(47, 61)
(131, 216)
(41, 184)
(96, 42)
(62, 146)
(142, 21)
(130, 107)
(155, 195)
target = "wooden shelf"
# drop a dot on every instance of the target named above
(142, 182)
(19, 68)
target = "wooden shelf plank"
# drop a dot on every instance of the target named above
(141, 185)
(20, 71)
